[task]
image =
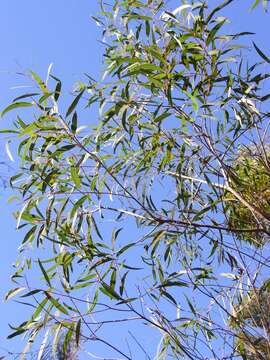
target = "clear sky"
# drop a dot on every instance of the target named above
(35, 33)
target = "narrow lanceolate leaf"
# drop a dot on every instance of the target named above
(16, 105)
(24, 96)
(195, 104)
(161, 117)
(44, 273)
(56, 303)
(217, 9)
(262, 55)
(75, 176)
(109, 291)
(255, 4)
(125, 248)
(16, 333)
(31, 293)
(40, 82)
(74, 123)
(78, 331)
(94, 302)
(40, 308)
(115, 234)
(122, 285)
(213, 32)
(74, 103)
(13, 292)
(58, 87)
(138, 67)
(113, 279)
(169, 283)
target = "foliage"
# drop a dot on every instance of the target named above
(131, 219)
(251, 172)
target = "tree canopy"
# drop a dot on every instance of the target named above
(145, 203)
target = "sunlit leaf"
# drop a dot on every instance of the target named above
(16, 105)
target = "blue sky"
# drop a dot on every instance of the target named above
(35, 33)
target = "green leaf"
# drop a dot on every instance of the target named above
(137, 16)
(16, 333)
(127, 301)
(7, 131)
(122, 285)
(78, 332)
(24, 96)
(30, 234)
(195, 104)
(93, 221)
(169, 283)
(213, 32)
(113, 279)
(125, 248)
(40, 308)
(44, 98)
(16, 105)
(58, 87)
(193, 310)
(169, 296)
(136, 68)
(40, 82)
(255, 4)
(74, 123)
(147, 28)
(124, 117)
(56, 303)
(74, 103)
(31, 293)
(262, 55)
(162, 117)
(44, 273)
(109, 291)
(218, 8)
(78, 204)
(75, 176)
(94, 302)
(115, 234)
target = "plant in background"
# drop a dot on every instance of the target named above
(125, 217)
(252, 180)
(252, 315)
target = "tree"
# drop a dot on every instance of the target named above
(159, 214)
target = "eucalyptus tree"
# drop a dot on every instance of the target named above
(151, 222)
